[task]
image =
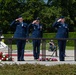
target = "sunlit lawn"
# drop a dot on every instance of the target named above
(30, 47)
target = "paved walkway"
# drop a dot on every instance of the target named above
(69, 59)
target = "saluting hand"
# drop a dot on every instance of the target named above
(59, 20)
(16, 19)
(34, 22)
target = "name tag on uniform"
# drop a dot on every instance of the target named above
(59, 26)
(22, 24)
(66, 27)
(40, 27)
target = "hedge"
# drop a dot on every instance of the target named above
(36, 69)
(69, 42)
(51, 35)
(46, 35)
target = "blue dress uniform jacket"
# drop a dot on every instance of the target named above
(20, 32)
(21, 29)
(36, 33)
(62, 32)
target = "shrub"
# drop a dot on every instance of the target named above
(36, 69)
(49, 35)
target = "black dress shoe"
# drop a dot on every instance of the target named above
(22, 60)
(18, 60)
(61, 60)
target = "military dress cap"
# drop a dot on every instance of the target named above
(62, 17)
(37, 18)
(19, 16)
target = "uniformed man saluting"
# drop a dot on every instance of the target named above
(62, 32)
(20, 32)
(36, 33)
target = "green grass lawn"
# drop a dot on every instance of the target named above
(30, 47)
(69, 48)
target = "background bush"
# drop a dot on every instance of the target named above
(48, 35)
(69, 42)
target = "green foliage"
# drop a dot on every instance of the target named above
(69, 42)
(36, 69)
(49, 35)
(9, 36)
(34, 6)
(30, 9)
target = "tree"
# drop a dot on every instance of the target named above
(9, 10)
(47, 10)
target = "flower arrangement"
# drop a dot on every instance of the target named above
(47, 59)
(4, 57)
